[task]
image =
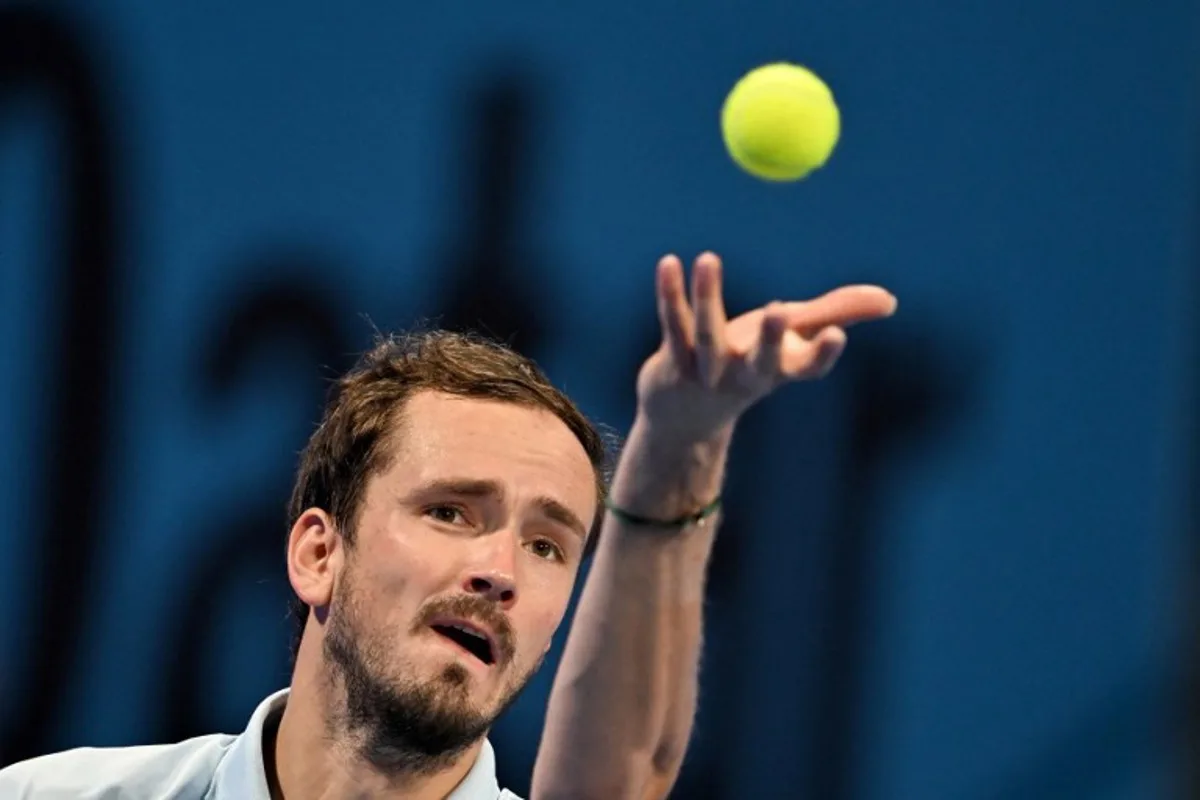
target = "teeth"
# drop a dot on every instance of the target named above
(470, 631)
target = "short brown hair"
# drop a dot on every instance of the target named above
(365, 406)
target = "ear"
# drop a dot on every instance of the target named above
(314, 556)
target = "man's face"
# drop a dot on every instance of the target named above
(465, 555)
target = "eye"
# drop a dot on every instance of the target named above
(546, 549)
(449, 515)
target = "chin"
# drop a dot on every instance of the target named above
(459, 683)
(456, 675)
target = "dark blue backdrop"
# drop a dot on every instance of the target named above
(950, 571)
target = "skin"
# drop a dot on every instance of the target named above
(623, 702)
(624, 698)
(511, 544)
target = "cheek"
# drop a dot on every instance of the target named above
(545, 614)
(539, 636)
(402, 558)
(392, 581)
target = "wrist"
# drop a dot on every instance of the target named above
(676, 431)
(666, 473)
(675, 524)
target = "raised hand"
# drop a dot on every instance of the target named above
(710, 369)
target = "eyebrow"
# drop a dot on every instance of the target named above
(474, 487)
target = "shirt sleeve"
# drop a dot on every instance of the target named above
(182, 772)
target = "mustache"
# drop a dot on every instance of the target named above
(475, 609)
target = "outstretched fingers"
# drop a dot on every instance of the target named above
(843, 307)
(674, 313)
(709, 309)
(825, 350)
(768, 358)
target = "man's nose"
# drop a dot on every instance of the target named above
(496, 586)
(495, 580)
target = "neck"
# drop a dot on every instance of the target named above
(313, 756)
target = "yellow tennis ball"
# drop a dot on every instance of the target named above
(780, 122)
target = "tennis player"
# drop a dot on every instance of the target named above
(440, 516)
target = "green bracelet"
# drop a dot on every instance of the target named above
(681, 522)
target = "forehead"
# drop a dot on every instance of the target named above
(441, 435)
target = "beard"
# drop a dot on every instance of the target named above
(403, 725)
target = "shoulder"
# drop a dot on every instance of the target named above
(183, 770)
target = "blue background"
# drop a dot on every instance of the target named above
(955, 569)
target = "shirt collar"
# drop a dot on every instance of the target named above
(242, 775)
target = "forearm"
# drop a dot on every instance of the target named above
(623, 701)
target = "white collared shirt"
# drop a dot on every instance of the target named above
(216, 767)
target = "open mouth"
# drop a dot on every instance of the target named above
(470, 639)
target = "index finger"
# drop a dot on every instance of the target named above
(674, 314)
(842, 307)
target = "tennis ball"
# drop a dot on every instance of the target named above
(780, 122)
